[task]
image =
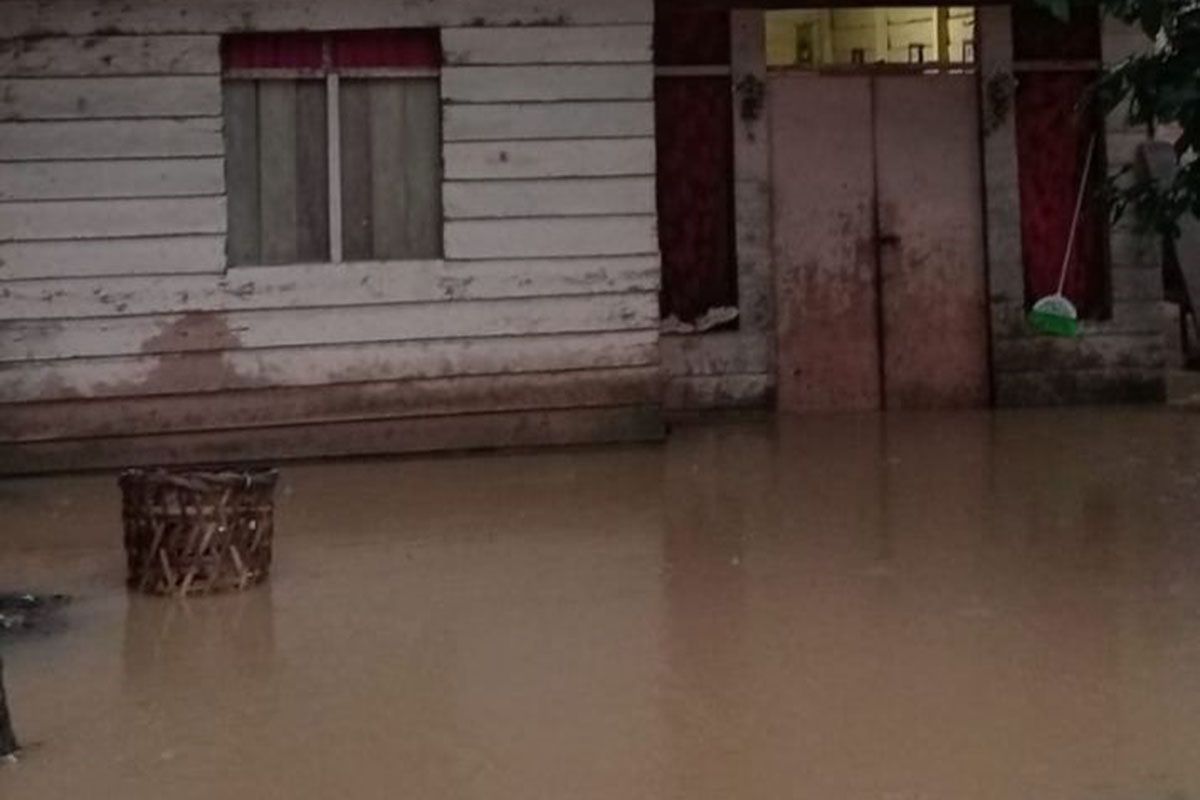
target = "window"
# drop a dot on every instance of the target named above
(838, 37)
(333, 146)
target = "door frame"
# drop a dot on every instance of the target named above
(874, 74)
(736, 368)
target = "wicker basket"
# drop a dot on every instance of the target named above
(197, 532)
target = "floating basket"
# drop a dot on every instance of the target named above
(198, 532)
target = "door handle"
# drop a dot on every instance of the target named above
(887, 240)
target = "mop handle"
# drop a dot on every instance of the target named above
(1083, 182)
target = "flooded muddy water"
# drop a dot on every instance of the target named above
(918, 607)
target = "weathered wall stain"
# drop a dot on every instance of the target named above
(206, 336)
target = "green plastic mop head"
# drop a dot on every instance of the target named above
(1054, 316)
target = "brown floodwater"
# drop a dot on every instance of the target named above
(914, 607)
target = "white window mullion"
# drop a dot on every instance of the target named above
(334, 137)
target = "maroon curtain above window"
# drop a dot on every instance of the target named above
(408, 48)
(415, 48)
(273, 51)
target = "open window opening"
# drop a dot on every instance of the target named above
(832, 38)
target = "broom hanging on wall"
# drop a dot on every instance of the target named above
(1054, 314)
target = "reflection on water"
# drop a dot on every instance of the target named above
(919, 606)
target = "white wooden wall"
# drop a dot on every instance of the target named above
(124, 339)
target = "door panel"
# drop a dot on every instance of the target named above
(931, 242)
(823, 242)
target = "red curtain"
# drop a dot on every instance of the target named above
(273, 51)
(695, 195)
(1053, 131)
(416, 47)
(695, 164)
(407, 48)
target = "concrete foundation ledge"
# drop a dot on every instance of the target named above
(1080, 387)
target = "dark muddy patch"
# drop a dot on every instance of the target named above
(24, 614)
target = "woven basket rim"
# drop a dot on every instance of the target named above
(201, 478)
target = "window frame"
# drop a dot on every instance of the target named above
(332, 74)
(946, 59)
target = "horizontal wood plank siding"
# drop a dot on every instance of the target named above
(87, 219)
(77, 180)
(610, 44)
(550, 236)
(125, 336)
(111, 159)
(547, 83)
(107, 138)
(316, 285)
(567, 120)
(188, 373)
(104, 98)
(539, 198)
(48, 340)
(95, 56)
(549, 159)
(112, 256)
(397, 399)
(93, 17)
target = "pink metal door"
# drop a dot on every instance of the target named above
(878, 242)
(823, 242)
(935, 341)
